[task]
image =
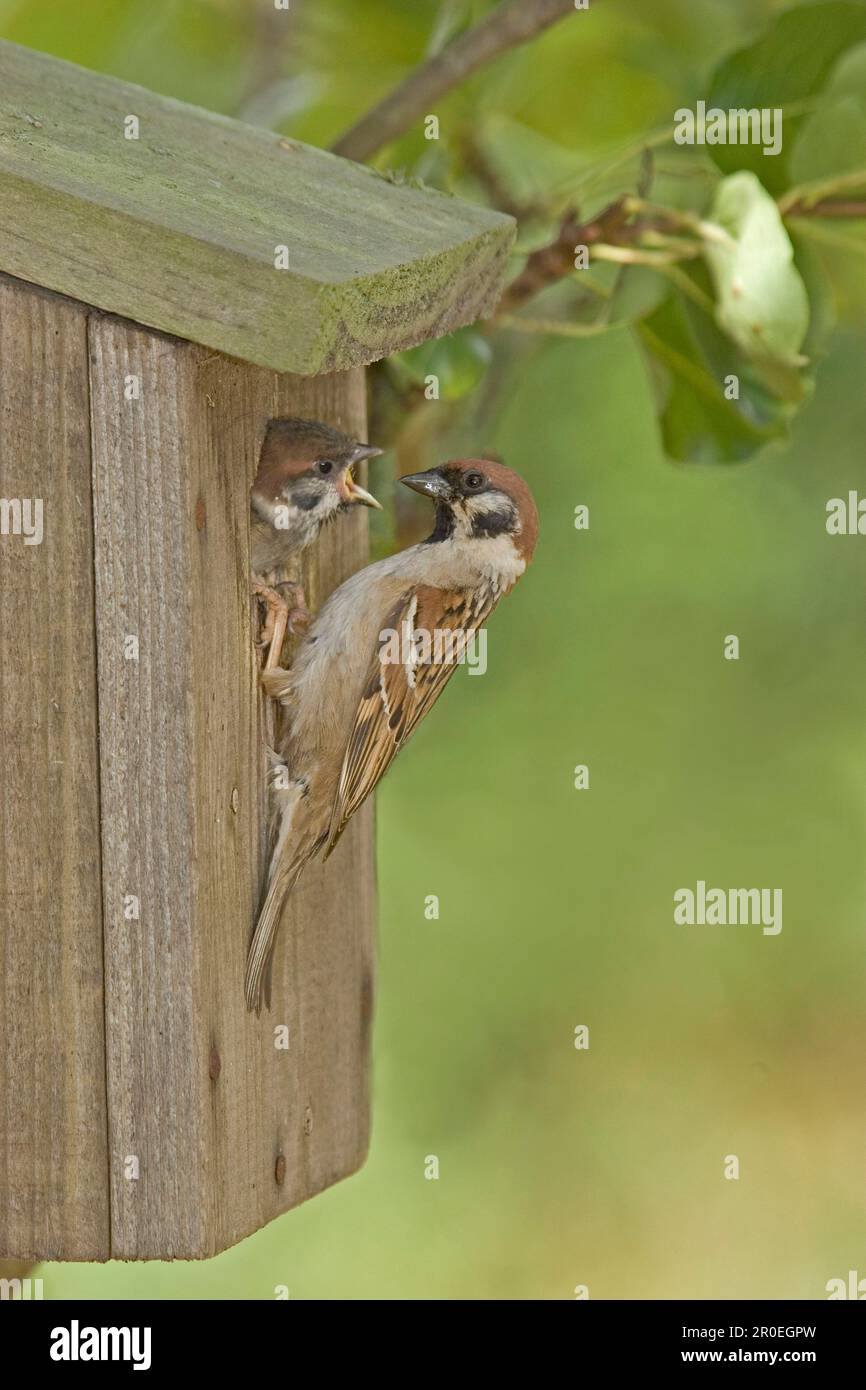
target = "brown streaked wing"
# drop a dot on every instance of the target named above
(397, 695)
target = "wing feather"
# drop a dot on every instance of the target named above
(398, 693)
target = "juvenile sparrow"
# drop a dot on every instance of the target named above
(305, 479)
(354, 695)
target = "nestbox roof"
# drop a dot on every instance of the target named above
(180, 228)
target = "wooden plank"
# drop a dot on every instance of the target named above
(178, 228)
(227, 1129)
(53, 1145)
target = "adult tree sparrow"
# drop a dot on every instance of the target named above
(304, 480)
(352, 702)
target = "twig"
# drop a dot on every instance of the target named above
(556, 260)
(637, 255)
(680, 219)
(806, 195)
(272, 34)
(832, 208)
(558, 328)
(509, 25)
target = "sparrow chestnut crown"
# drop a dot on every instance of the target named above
(305, 479)
(477, 498)
(303, 458)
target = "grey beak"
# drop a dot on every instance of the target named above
(429, 484)
(365, 451)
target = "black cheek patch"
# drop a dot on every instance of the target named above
(493, 523)
(306, 501)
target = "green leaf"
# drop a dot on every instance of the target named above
(527, 163)
(833, 139)
(459, 361)
(822, 310)
(833, 142)
(452, 18)
(637, 292)
(761, 301)
(841, 249)
(789, 64)
(690, 361)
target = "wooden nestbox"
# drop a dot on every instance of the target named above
(171, 281)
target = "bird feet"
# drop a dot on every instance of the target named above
(299, 613)
(276, 682)
(279, 616)
(274, 604)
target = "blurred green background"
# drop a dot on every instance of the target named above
(602, 1167)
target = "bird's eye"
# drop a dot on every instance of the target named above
(473, 482)
(324, 467)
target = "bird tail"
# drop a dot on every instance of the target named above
(286, 863)
(261, 952)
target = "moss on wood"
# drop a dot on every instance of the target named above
(178, 228)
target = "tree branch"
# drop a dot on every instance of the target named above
(510, 24)
(556, 260)
(272, 34)
(830, 208)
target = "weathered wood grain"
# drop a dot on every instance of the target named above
(226, 1129)
(178, 228)
(53, 1148)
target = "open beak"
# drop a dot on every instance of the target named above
(429, 484)
(352, 491)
